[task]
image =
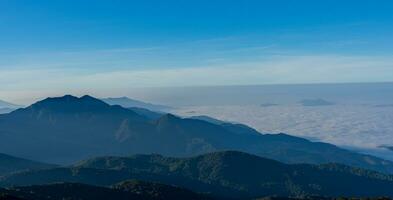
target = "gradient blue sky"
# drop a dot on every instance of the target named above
(103, 47)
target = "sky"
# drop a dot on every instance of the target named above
(54, 47)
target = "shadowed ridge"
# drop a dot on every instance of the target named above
(11, 164)
(225, 174)
(157, 190)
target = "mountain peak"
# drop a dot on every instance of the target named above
(69, 103)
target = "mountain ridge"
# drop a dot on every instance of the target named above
(10, 164)
(130, 103)
(221, 174)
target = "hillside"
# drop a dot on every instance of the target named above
(222, 174)
(10, 164)
(123, 191)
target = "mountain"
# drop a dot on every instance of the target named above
(131, 103)
(6, 107)
(221, 174)
(124, 191)
(152, 115)
(67, 129)
(4, 104)
(10, 164)
(6, 110)
(208, 119)
(157, 191)
(316, 102)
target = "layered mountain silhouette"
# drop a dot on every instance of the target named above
(10, 164)
(67, 129)
(220, 174)
(132, 103)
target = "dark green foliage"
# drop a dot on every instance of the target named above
(228, 174)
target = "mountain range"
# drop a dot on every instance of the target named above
(66, 129)
(132, 103)
(227, 174)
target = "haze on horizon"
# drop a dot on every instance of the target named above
(107, 48)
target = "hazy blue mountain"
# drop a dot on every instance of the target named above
(315, 102)
(130, 103)
(208, 119)
(153, 115)
(386, 147)
(6, 110)
(268, 104)
(6, 107)
(232, 127)
(66, 129)
(4, 104)
(10, 164)
(221, 174)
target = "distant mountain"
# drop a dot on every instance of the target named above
(268, 104)
(221, 174)
(232, 127)
(316, 102)
(130, 103)
(6, 110)
(387, 147)
(6, 107)
(10, 164)
(67, 129)
(208, 119)
(153, 115)
(125, 191)
(4, 104)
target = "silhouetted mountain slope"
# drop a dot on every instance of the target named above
(147, 113)
(66, 129)
(208, 119)
(10, 164)
(130, 103)
(135, 190)
(230, 174)
(157, 191)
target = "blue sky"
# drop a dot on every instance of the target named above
(100, 47)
